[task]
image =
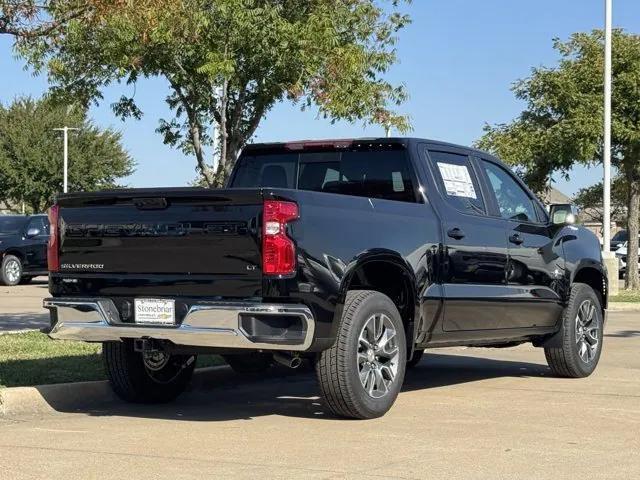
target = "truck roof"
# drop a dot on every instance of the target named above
(348, 142)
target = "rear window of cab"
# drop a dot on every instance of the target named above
(373, 174)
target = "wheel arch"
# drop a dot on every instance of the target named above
(386, 272)
(14, 252)
(595, 276)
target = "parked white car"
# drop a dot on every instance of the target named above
(621, 255)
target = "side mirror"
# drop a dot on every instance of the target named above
(33, 232)
(563, 214)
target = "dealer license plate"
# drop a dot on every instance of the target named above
(155, 311)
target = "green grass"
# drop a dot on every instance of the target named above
(32, 358)
(626, 296)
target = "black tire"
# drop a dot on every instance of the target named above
(251, 363)
(25, 280)
(563, 352)
(338, 368)
(133, 381)
(7, 270)
(415, 358)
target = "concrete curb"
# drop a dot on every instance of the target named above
(70, 397)
(51, 398)
(17, 332)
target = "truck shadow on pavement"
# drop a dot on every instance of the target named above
(221, 395)
(624, 334)
(13, 322)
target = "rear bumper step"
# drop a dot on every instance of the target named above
(206, 324)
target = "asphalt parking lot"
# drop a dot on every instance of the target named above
(21, 306)
(464, 413)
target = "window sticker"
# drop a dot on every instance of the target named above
(398, 183)
(457, 180)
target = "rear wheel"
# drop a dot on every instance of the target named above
(11, 270)
(361, 375)
(149, 377)
(577, 349)
(249, 363)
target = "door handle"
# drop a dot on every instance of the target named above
(516, 239)
(456, 233)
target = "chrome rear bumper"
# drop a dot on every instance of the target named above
(206, 324)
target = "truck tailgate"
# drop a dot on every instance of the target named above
(184, 231)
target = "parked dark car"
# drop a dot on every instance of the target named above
(618, 240)
(23, 247)
(356, 255)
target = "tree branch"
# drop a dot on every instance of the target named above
(44, 29)
(195, 129)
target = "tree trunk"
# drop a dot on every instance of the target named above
(633, 209)
(36, 206)
(220, 175)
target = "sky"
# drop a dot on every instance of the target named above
(458, 60)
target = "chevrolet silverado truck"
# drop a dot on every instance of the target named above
(354, 255)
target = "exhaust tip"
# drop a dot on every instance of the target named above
(287, 360)
(296, 362)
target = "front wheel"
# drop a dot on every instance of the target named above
(575, 351)
(361, 375)
(149, 377)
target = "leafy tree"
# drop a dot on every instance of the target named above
(589, 200)
(228, 62)
(31, 153)
(563, 120)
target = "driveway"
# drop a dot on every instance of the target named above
(21, 306)
(464, 413)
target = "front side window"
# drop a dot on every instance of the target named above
(40, 223)
(458, 182)
(513, 201)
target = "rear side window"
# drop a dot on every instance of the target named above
(361, 174)
(458, 182)
(373, 174)
(11, 225)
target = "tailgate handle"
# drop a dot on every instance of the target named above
(156, 203)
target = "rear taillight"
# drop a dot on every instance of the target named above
(53, 247)
(278, 250)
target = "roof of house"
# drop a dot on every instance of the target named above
(553, 195)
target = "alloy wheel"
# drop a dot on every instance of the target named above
(12, 271)
(378, 355)
(587, 331)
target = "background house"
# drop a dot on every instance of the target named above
(7, 208)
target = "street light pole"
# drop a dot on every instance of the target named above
(606, 233)
(608, 257)
(65, 131)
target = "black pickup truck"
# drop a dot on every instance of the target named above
(354, 255)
